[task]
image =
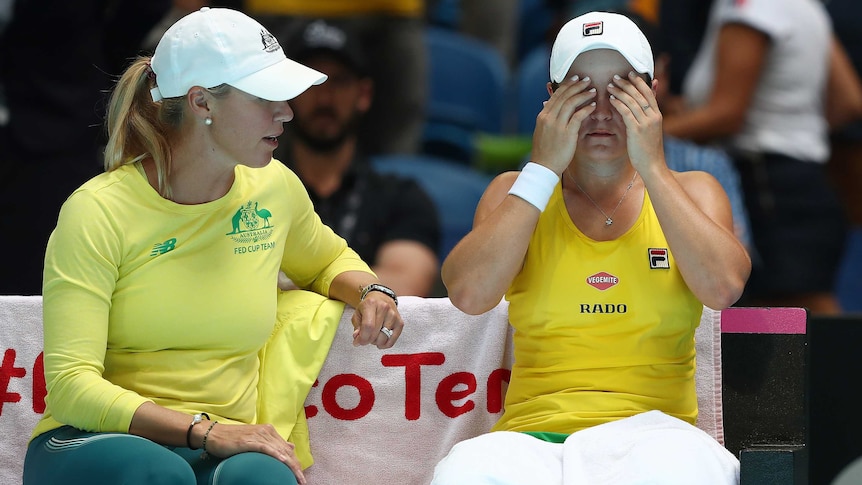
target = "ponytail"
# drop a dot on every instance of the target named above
(138, 127)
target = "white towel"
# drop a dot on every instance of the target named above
(20, 346)
(650, 448)
(396, 432)
(710, 416)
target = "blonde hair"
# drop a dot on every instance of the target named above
(140, 128)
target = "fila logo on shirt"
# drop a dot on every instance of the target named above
(594, 28)
(658, 258)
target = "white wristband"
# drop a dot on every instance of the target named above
(535, 184)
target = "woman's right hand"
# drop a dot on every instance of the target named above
(226, 440)
(557, 125)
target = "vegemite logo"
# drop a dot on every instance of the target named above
(658, 258)
(602, 281)
(593, 28)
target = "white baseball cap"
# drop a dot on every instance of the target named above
(600, 30)
(215, 46)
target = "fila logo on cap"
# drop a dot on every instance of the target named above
(594, 28)
(658, 258)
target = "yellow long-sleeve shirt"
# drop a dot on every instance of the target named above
(149, 300)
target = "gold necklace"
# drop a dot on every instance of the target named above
(609, 219)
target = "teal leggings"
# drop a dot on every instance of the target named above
(73, 457)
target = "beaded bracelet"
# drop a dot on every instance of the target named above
(204, 445)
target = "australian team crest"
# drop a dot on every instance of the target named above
(270, 43)
(251, 224)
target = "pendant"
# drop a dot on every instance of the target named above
(609, 221)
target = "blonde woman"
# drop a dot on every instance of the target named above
(160, 277)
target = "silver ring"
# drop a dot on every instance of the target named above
(386, 331)
(645, 107)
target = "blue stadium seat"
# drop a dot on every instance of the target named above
(529, 88)
(445, 13)
(535, 19)
(454, 188)
(467, 82)
(849, 284)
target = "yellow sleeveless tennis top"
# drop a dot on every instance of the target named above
(603, 329)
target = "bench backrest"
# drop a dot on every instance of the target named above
(763, 364)
(374, 417)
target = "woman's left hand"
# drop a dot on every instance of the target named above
(376, 321)
(636, 103)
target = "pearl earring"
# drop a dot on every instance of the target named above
(208, 121)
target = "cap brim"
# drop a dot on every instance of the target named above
(282, 81)
(564, 67)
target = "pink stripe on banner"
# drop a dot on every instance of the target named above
(784, 320)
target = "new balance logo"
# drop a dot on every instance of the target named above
(162, 248)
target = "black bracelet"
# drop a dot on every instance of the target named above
(197, 418)
(204, 445)
(363, 292)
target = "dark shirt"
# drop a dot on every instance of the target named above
(370, 209)
(683, 23)
(57, 62)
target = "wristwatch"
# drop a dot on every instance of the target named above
(378, 287)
